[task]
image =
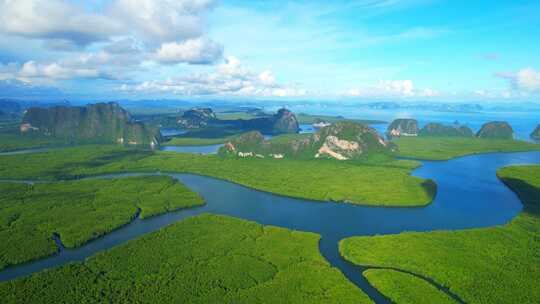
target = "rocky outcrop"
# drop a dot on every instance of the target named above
(496, 130)
(319, 123)
(340, 149)
(402, 127)
(536, 133)
(284, 121)
(341, 141)
(196, 118)
(96, 123)
(440, 130)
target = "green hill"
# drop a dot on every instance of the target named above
(95, 123)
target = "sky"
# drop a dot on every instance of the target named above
(407, 50)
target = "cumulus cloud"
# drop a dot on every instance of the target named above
(267, 78)
(162, 21)
(192, 51)
(123, 34)
(67, 25)
(230, 78)
(526, 79)
(31, 70)
(123, 46)
(391, 88)
(397, 87)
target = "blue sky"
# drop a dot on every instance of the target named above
(202, 49)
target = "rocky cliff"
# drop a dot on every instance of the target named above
(196, 118)
(341, 141)
(536, 133)
(440, 130)
(402, 127)
(496, 130)
(284, 121)
(96, 123)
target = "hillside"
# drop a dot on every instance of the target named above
(97, 123)
(341, 141)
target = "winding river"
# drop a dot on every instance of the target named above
(469, 195)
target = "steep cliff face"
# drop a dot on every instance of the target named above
(341, 141)
(99, 123)
(536, 133)
(496, 130)
(284, 121)
(403, 127)
(440, 130)
(196, 118)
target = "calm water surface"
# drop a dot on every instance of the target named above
(523, 123)
(469, 195)
(205, 149)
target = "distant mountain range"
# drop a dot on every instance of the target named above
(443, 107)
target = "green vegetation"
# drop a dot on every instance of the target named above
(443, 148)
(79, 211)
(287, 138)
(310, 179)
(196, 141)
(235, 115)
(440, 130)
(496, 130)
(12, 142)
(341, 140)
(93, 123)
(487, 265)
(67, 163)
(404, 288)
(204, 259)
(311, 119)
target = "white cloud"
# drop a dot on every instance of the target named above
(526, 79)
(192, 51)
(391, 88)
(230, 79)
(32, 70)
(123, 46)
(353, 93)
(162, 21)
(54, 70)
(122, 34)
(397, 87)
(68, 26)
(427, 92)
(63, 23)
(267, 78)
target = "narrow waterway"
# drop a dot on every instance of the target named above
(469, 195)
